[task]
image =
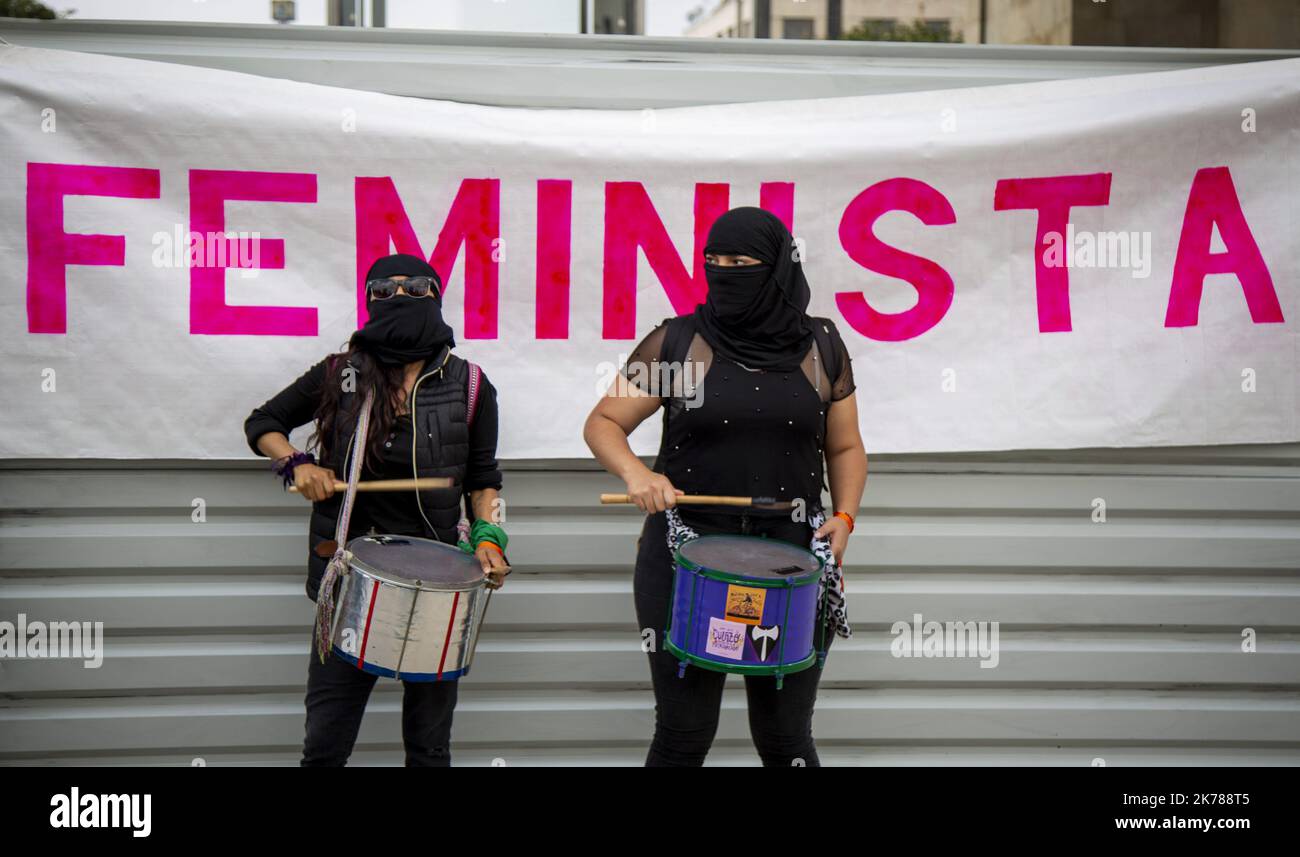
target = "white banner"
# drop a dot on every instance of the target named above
(1101, 262)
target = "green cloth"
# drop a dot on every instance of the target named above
(484, 531)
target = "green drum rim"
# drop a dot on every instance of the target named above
(739, 669)
(808, 578)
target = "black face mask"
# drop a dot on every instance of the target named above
(755, 315)
(403, 329)
(733, 289)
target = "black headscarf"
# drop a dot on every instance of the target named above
(755, 315)
(403, 329)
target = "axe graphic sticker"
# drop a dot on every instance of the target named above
(764, 637)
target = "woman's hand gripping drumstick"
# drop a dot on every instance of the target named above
(314, 482)
(619, 411)
(651, 491)
(494, 564)
(488, 506)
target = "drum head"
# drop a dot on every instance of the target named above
(409, 559)
(749, 556)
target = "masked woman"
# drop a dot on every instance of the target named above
(404, 354)
(763, 397)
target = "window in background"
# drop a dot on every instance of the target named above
(940, 28)
(796, 28)
(880, 27)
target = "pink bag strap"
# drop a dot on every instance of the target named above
(472, 390)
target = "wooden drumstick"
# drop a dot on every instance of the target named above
(425, 484)
(705, 499)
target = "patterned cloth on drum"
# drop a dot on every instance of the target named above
(745, 604)
(410, 608)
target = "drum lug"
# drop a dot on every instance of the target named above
(681, 669)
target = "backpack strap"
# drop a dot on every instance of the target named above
(826, 350)
(677, 338)
(677, 342)
(830, 357)
(472, 386)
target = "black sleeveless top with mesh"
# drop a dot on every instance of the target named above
(739, 431)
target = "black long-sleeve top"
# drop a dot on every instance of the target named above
(388, 512)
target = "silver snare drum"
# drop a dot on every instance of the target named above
(409, 608)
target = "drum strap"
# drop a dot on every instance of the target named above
(338, 563)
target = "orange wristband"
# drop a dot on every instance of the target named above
(848, 519)
(492, 545)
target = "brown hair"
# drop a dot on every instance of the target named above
(367, 374)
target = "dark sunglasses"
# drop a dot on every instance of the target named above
(416, 287)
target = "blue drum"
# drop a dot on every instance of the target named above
(747, 605)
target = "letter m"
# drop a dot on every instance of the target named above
(473, 221)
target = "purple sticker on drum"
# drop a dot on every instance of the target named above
(726, 639)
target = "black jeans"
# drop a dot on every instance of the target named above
(687, 708)
(336, 700)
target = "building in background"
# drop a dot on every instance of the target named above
(354, 13)
(614, 17)
(620, 17)
(1231, 24)
(1151, 23)
(828, 19)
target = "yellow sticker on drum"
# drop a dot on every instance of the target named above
(745, 604)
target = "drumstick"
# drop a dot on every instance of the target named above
(425, 484)
(706, 499)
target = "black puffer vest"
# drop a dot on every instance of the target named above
(441, 449)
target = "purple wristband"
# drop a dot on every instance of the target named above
(283, 467)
